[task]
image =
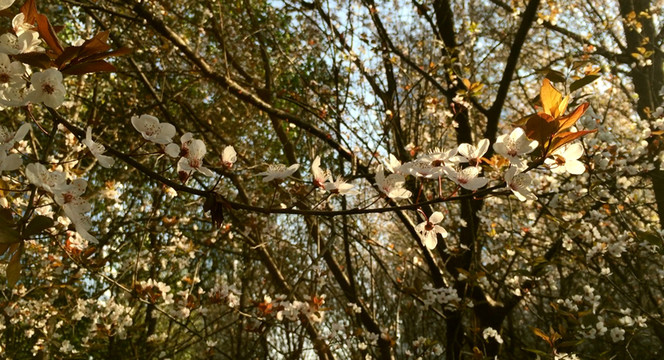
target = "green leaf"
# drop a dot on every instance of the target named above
(38, 224)
(583, 82)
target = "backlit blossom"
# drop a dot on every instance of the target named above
(515, 145)
(68, 196)
(11, 72)
(193, 159)
(5, 4)
(9, 162)
(472, 154)
(519, 183)
(152, 130)
(394, 165)
(28, 41)
(97, 150)
(47, 88)
(392, 185)
(320, 176)
(278, 172)
(19, 25)
(566, 159)
(228, 157)
(38, 175)
(9, 138)
(340, 186)
(430, 229)
(467, 178)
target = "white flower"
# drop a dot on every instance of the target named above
(27, 41)
(467, 178)
(340, 186)
(519, 183)
(97, 150)
(19, 25)
(491, 332)
(173, 150)
(68, 196)
(429, 230)
(617, 334)
(11, 72)
(14, 96)
(193, 159)
(228, 157)
(392, 185)
(565, 159)
(471, 154)
(48, 180)
(152, 130)
(394, 165)
(278, 172)
(47, 88)
(514, 145)
(5, 4)
(9, 138)
(320, 176)
(9, 162)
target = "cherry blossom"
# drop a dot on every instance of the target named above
(278, 172)
(47, 88)
(392, 185)
(340, 186)
(152, 130)
(5, 4)
(320, 176)
(430, 229)
(472, 154)
(9, 138)
(228, 157)
(514, 145)
(394, 165)
(173, 150)
(68, 196)
(193, 159)
(11, 72)
(566, 159)
(519, 183)
(467, 178)
(28, 41)
(50, 181)
(97, 150)
(9, 162)
(19, 25)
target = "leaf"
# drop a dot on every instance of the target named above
(38, 224)
(37, 59)
(541, 334)
(3, 187)
(89, 67)
(541, 127)
(538, 352)
(550, 98)
(567, 137)
(14, 268)
(8, 235)
(555, 76)
(29, 10)
(571, 119)
(47, 33)
(583, 82)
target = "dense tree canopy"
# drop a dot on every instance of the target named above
(258, 179)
